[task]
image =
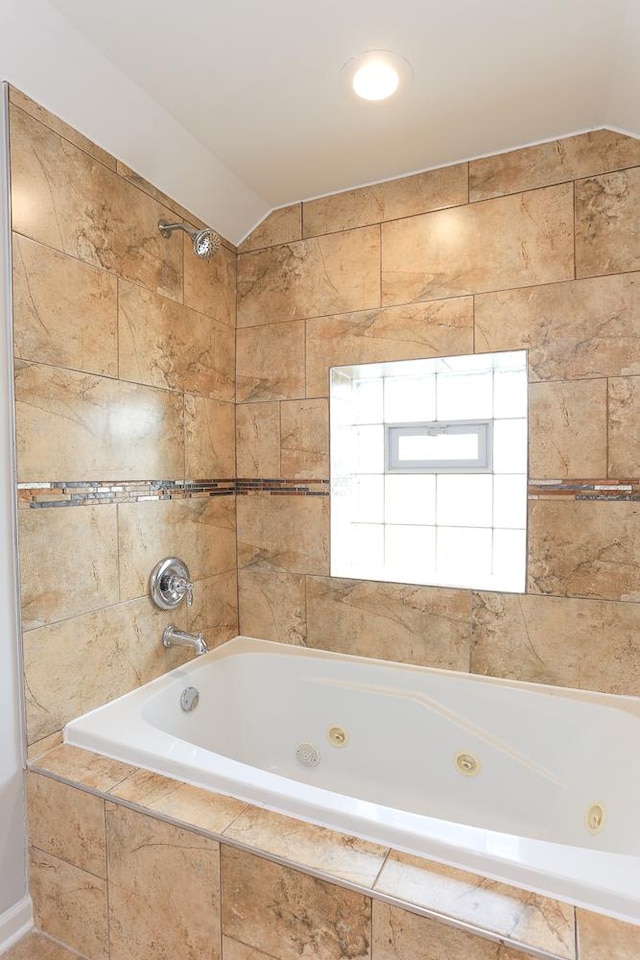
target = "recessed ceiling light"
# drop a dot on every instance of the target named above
(376, 74)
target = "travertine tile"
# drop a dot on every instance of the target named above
(517, 915)
(624, 439)
(164, 344)
(65, 312)
(390, 621)
(400, 935)
(37, 946)
(77, 426)
(584, 328)
(84, 767)
(201, 531)
(310, 278)
(602, 938)
(65, 199)
(181, 213)
(160, 873)
(69, 904)
(584, 549)
(312, 918)
(391, 200)
(144, 788)
(272, 605)
(508, 242)
(270, 362)
(434, 329)
(568, 429)
(307, 845)
(215, 608)
(607, 238)
(50, 120)
(209, 438)
(584, 155)
(67, 823)
(304, 431)
(280, 226)
(231, 950)
(108, 653)
(289, 533)
(589, 644)
(258, 440)
(61, 547)
(210, 285)
(42, 746)
(198, 808)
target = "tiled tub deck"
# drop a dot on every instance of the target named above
(129, 864)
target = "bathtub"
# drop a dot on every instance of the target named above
(532, 785)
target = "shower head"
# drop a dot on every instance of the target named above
(206, 242)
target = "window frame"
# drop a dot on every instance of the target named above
(483, 430)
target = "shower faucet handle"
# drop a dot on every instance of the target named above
(181, 586)
(170, 583)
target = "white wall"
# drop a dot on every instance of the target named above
(15, 912)
(42, 55)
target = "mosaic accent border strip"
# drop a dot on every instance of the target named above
(584, 489)
(275, 485)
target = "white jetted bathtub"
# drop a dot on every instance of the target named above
(533, 785)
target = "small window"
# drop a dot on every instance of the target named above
(439, 447)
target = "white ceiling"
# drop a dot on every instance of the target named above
(256, 82)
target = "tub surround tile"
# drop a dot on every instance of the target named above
(306, 845)
(72, 424)
(584, 155)
(194, 807)
(37, 946)
(210, 285)
(406, 332)
(602, 938)
(200, 531)
(215, 608)
(512, 914)
(272, 605)
(209, 435)
(399, 935)
(66, 823)
(583, 328)
(270, 362)
(64, 311)
(181, 213)
(390, 621)
(69, 904)
(304, 431)
(390, 200)
(288, 914)
(161, 343)
(493, 245)
(67, 200)
(231, 950)
(143, 788)
(589, 644)
(40, 747)
(62, 547)
(258, 440)
(83, 767)
(280, 226)
(284, 533)
(624, 439)
(568, 429)
(157, 870)
(607, 238)
(310, 278)
(584, 549)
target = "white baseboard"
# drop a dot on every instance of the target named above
(15, 922)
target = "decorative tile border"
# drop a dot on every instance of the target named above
(584, 489)
(275, 485)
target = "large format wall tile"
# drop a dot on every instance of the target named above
(67, 823)
(75, 426)
(272, 605)
(164, 892)
(164, 344)
(215, 608)
(585, 328)
(289, 533)
(65, 312)
(584, 549)
(304, 427)
(210, 285)
(67, 200)
(68, 562)
(288, 914)
(391, 621)
(311, 278)
(391, 200)
(209, 437)
(624, 437)
(607, 237)
(258, 440)
(407, 332)
(270, 362)
(283, 225)
(584, 155)
(493, 245)
(568, 429)
(563, 641)
(602, 938)
(201, 531)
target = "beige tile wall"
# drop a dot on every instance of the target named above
(535, 249)
(125, 371)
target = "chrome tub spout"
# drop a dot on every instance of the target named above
(172, 637)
